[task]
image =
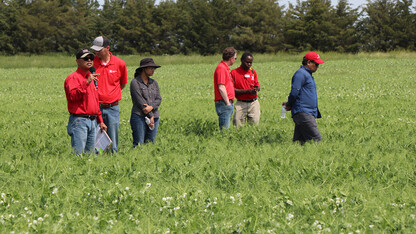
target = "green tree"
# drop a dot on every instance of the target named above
(310, 26)
(136, 28)
(107, 22)
(210, 25)
(81, 18)
(389, 25)
(345, 19)
(6, 45)
(168, 18)
(259, 26)
(404, 25)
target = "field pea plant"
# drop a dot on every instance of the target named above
(360, 178)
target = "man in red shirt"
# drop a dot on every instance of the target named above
(246, 84)
(224, 87)
(113, 78)
(83, 105)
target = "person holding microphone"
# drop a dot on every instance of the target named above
(83, 104)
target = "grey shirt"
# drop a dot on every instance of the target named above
(142, 93)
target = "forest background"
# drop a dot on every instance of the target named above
(206, 26)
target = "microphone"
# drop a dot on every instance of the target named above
(92, 70)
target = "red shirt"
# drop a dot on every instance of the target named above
(222, 76)
(112, 75)
(245, 80)
(82, 97)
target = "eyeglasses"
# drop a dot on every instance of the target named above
(88, 58)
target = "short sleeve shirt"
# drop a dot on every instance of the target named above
(245, 80)
(222, 76)
(112, 75)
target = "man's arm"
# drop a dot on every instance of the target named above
(297, 82)
(122, 86)
(223, 92)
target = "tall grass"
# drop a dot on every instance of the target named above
(360, 178)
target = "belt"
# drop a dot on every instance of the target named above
(231, 101)
(91, 117)
(107, 105)
(251, 100)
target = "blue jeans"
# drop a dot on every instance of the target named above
(141, 131)
(111, 118)
(224, 113)
(82, 132)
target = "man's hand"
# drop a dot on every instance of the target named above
(103, 127)
(252, 91)
(92, 77)
(224, 95)
(152, 122)
(288, 108)
(147, 109)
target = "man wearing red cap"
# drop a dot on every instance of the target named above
(303, 100)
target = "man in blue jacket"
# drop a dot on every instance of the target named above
(303, 100)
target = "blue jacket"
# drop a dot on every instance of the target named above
(303, 96)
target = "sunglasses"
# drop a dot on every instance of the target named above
(88, 58)
(316, 64)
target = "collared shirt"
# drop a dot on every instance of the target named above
(303, 96)
(245, 80)
(222, 76)
(82, 97)
(112, 75)
(142, 93)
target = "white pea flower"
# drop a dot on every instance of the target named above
(55, 191)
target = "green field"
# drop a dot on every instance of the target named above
(360, 178)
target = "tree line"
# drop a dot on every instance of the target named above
(206, 26)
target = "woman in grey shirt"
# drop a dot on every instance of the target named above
(146, 99)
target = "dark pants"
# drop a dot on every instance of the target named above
(306, 128)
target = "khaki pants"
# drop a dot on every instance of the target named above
(246, 112)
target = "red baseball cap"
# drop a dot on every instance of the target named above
(314, 56)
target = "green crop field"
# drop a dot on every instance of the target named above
(360, 178)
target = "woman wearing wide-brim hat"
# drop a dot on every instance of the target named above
(146, 99)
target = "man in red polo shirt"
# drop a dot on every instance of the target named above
(113, 78)
(83, 105)
(224, 87)
(246, 84)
